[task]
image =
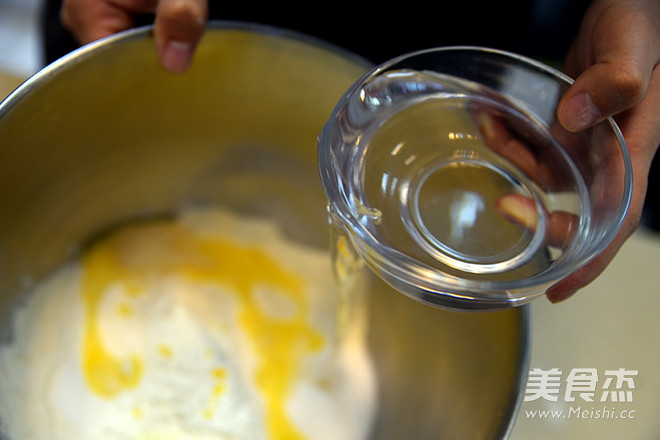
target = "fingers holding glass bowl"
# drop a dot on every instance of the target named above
(573, 174)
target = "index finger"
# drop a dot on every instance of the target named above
(90, 20)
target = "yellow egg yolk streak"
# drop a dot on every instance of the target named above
(134, 255)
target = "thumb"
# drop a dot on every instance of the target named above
(605, 89)
(178, 27)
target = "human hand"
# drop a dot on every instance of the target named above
(178, 26)
(614, 60)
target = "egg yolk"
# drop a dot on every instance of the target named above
(133, 255)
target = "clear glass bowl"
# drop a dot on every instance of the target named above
(454, 181)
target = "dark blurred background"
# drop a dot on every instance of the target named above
(542, 29)
(539, 28)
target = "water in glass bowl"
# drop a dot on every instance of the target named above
(460, 178)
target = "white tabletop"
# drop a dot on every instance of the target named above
(611, 324)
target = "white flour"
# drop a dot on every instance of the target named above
(188, 364)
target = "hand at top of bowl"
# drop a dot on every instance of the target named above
(178, 27)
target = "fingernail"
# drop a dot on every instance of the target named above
(518, 209)
(486, 125)
(580, 112)
(559, 296)
(176, 56)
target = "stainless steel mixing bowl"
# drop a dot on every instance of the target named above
(105, 135)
